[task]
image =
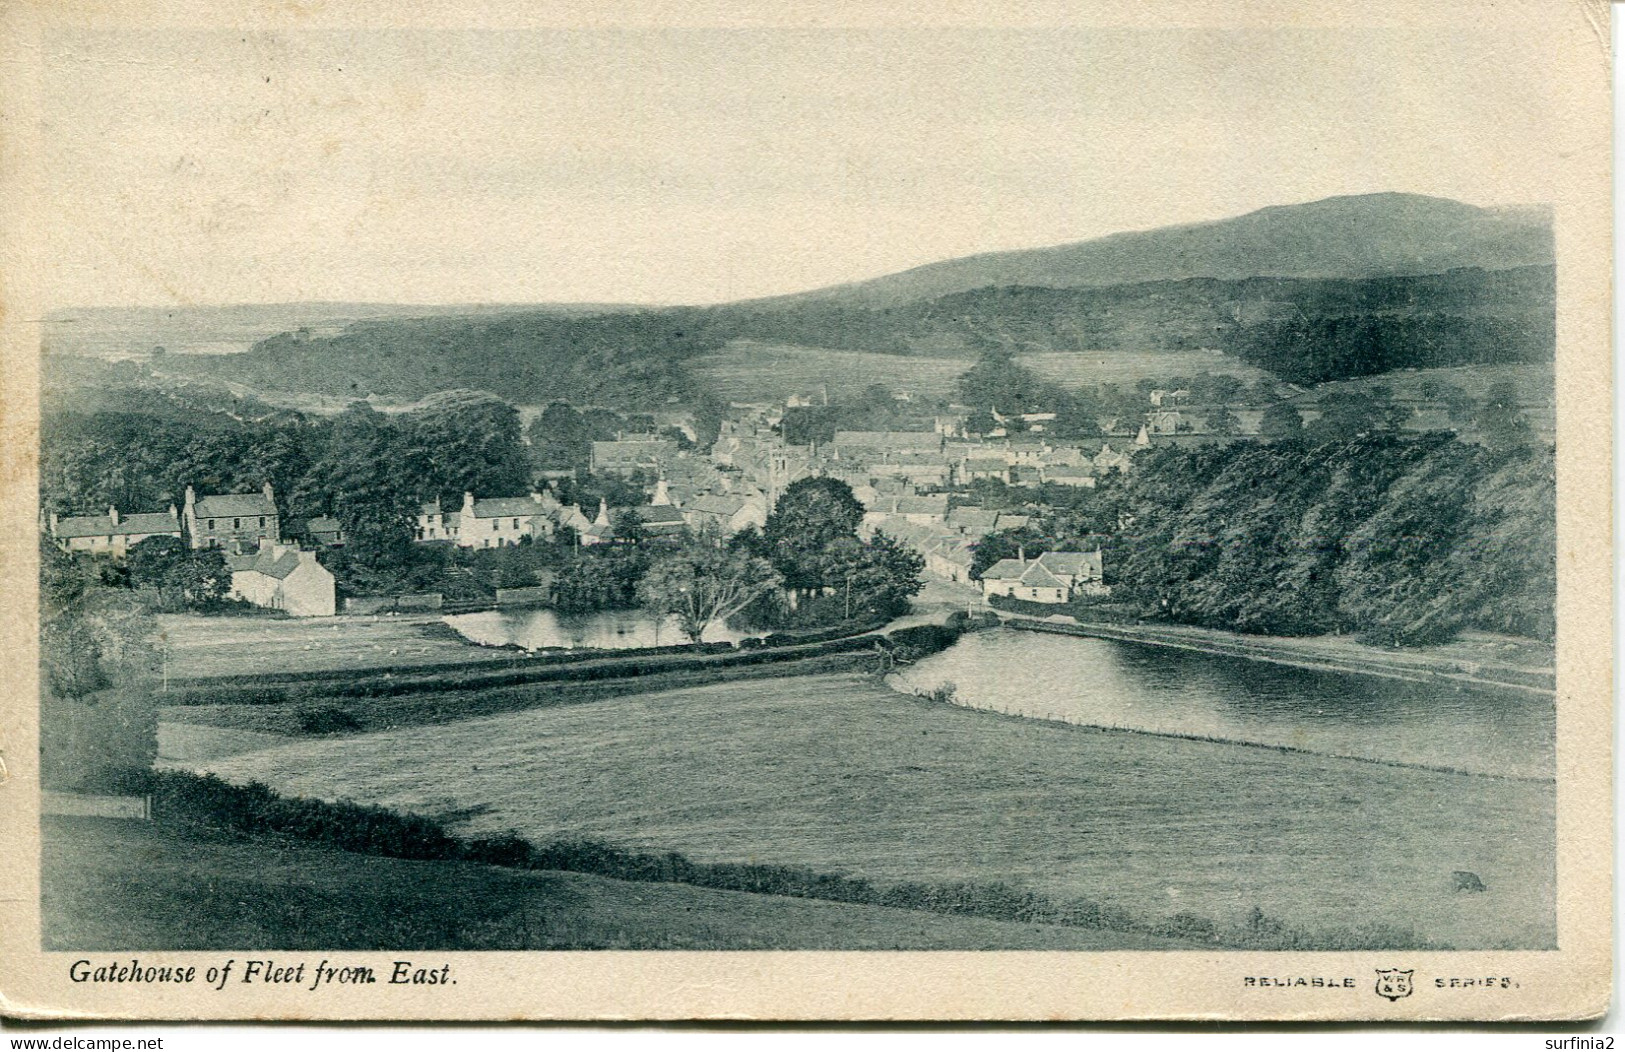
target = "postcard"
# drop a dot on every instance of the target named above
(865, 512)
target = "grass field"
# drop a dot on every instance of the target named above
(250, 646)
(119, 885)
(842, 775)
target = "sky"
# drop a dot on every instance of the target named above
(708, 165)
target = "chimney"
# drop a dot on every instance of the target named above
(270, 495)
(173, 513)
(53, 524)
(468, 508)
(662, 495)
(1021, 554)
(603, 513)
(112, 513)
(191, 499)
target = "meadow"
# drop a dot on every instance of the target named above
(840, 774)
(197, 888)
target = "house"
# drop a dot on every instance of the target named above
(725, 513)
(949, 558)
(1054, 577)
(918, 511)
(282, 577)
(1063, 475)
(231, 520)
(112, 534)
(324, 530)
(497, 522)
(968, 521)
(661, 520)
(974, 468)
(435, 524)
(1108, 459)
(599, 531)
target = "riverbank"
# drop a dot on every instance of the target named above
(1476, 660)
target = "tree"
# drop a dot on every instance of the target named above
(1076, 416)
(465, 442)
(1281, 420)
(997, 381)
(560, 439)
(1223, 422)
(873, 579)
(701, 585)
(179, 575)
(370, 490)
(811, 513)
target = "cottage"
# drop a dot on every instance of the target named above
(282, 577)
(112, 534)
(497, 522)
(231, 520)
(1063, 475)
(974, 468)
(324, 530)
(435, 524)
(725, 513)
(1054, 577)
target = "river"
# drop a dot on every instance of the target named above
(536, 629)
(1161, 689)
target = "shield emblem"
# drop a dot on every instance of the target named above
(1393, 983)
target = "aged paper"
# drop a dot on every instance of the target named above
(973, 512)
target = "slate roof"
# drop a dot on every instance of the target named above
(266, 561)
(102, 525)
(229, 505)
(505, 507)
(1073, 564)
(660, 515)
(716, 504)
(323, 524)
(985, 464)
(1005, 570)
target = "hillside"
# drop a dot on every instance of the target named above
(1326, 291)
(1340, 237)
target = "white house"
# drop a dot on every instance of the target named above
(1054, 577)
(497, 522)
(112, 534)
(282, 577)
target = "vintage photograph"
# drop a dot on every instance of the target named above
(741, 487)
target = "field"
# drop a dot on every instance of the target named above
(840, 774)
(119, 885)
(745, 371)
(250, 646)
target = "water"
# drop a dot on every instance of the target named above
(604, 630)
(1107, 683)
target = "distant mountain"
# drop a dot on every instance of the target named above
(1373, 235)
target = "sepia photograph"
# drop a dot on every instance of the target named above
(502, 492)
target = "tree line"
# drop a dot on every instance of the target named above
(1402, 541)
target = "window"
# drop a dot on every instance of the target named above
(262, 522)
(236, 524)
(516, 524)
(211, 524)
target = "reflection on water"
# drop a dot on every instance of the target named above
(604, 630)
(1107, 683)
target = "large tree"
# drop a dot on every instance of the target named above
(998, 381)
(701, 585)
(811, 513)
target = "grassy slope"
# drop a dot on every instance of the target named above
(843, 775)
(147, 886)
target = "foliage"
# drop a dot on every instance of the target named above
(1407, 541)
(810, 514)
(998, 382)
(601, 577)
(180, 576)
(701, 585)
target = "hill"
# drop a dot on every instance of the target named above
(1366, 236)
